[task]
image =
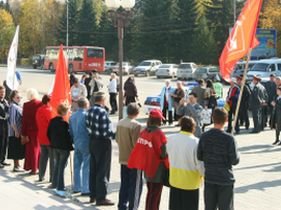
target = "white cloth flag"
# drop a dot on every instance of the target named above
(11, 78)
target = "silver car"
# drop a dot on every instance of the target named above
(186, 71)
(264, 68)
(206, 72)
(167, 70)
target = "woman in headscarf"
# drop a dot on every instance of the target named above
(131, 93)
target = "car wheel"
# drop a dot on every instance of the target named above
(34, 66)
(51, 68)
(135, 75)
(158, 77)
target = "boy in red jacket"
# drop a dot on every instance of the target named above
(149, 155)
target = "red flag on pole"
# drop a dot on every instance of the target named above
(61, 89)
(242, 38)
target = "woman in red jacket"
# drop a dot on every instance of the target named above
(149, 155)
(29, 132)
(43, 117)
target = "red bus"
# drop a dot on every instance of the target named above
(80, 58)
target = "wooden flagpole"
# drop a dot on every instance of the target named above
(243, 83)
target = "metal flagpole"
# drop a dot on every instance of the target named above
(241, 91)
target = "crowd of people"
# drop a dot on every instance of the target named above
(179, 161)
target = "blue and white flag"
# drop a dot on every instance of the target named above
(11, 78)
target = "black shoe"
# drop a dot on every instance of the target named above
(85, 194)
(92, 200)
(279, 144)
(105, 202)
(5, 164)
(41, 179)
(276, 142)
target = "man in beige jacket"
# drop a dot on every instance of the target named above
(127, 134)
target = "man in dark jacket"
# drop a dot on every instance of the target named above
(4, 114)
(270, 87)
(244, 106)
(257, 101)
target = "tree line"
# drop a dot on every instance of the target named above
(169, 30)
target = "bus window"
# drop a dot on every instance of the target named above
(95, 53)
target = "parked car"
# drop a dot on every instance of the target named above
(240, 66)
(186, 71)
(147, 67)
(264, 68)
(206, 72)
(38, 61)
(109, 66)
(126, 66)
(167, 70)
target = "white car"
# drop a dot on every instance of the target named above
(186, 71)
(264, 68)
(109, 65)
(167, 70)
(147, 67)
(126, 66)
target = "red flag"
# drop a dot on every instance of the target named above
(242, 38)
(61, 89)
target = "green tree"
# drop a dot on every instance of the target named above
(203, 45)
(7, 30)
(30, 28)
(86, 24)
(72, 23)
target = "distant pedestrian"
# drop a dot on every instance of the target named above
(4, 115)
(277, 116)
(200, 91)
(112, 89)
(243, 115)
(96, 86)
(167, 102)
(232, 99)
(211, 95)
(101, 134)
(218, 87)
(149, 155)
(61, 143)
(257, 101)
(131, 92)
(127, 134)
(43, 117)
(71, 79)
(16, 149)
(190, 107)
(77, 90)
(80, 136)
(7, 90)
(178, 95)
(218, 151)
(83, 78)
(270, 87)
(30, 131)
(186, 172)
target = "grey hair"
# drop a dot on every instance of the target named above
(32, 94)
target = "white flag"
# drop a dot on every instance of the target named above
(11, 78)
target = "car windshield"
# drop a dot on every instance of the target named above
(164, 66)
(260, 67)
(185, 66)
(202, 70)
(213, 70)
(145, 63)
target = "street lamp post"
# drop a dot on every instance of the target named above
(120, 13)
(67, 23)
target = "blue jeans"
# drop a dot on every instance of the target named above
(60, 162)
(81, 166)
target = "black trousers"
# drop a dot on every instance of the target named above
(60, 162)
(183, 199)
(244, 117)
(257, 118)
(3, 140)
(130, 188)
(218, 197)
(46, 154)
(230, 117)
(113, 102)
(130, 99)
(100, 168)
(170, 115)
